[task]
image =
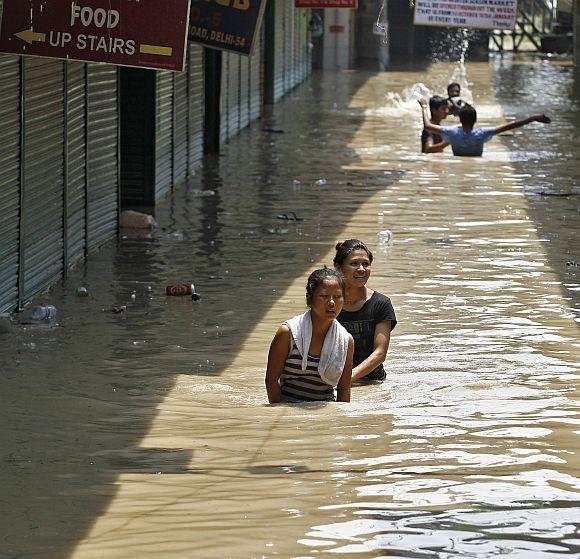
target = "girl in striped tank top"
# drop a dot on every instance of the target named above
(311, 355)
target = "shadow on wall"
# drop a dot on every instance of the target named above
(78, 398)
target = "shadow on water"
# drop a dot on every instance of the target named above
(547, 157)
(78, 397)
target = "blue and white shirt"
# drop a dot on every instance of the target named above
(467, 143)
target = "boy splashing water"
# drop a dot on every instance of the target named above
(465, 139)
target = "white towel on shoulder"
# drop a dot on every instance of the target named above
(334, 348)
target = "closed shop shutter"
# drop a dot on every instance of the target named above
(255, 83)
(180, 119)
(289, 39)
(9, 180)
(102, 153)
(234, 95)
(164, 134)
(76, 162)
(42, 215)
(196, 105)
(279, 41)
(244, 91)
(225, 102)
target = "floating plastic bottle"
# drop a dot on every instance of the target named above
(320, 182)
(44, 312)
(82, 292)
(385, 237)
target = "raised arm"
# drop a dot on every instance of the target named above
(427, 124)
(279, 350)
(522, 122)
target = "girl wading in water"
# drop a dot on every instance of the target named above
(368, 315)
(311, 354)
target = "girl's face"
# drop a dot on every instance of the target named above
(327, 300)
(356, 268)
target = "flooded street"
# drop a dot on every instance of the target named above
(147, 434)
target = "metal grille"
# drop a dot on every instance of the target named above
(42, 188)
(9, 180)
(102, 153)
(196, 105)
(164, 134)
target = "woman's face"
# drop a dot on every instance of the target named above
(356, 268)
(327, 299)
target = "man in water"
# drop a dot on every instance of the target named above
(465, 139)
(431, 142)
(453, 98)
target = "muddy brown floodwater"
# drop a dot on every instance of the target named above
(147, 434)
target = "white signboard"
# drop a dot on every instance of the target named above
(477, 14)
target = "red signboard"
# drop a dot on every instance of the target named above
(144, 33)
(352, 4)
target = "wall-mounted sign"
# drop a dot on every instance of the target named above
(231, 25)
(478, 14)
(352, 4)
(144, 33)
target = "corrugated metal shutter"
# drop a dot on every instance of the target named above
(42, 215)
(289, 39)
(196, 105)
(76, 162)
(102, 153)
(255, 83)
(164, 134)
(244, 91)
(225, 101)
(234, 95)
(9, 180)
(279, 39)
(180, 127)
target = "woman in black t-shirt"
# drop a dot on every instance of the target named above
(367, 315)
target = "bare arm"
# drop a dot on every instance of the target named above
(427, 124)
(522, 122)
(279, 350)
(343, 388)
(379, 354)
(431, 147)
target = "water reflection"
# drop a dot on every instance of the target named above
(146, 434)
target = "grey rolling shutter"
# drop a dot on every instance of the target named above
(244, 91)
(180, 126)
(42, 214)
(9, 180)
(102, 153)
(196, 98)
(234, 95)
(164, 134)
(255, 92)
(279, 50)
(225, 101)
(76, 161)
(288, 45)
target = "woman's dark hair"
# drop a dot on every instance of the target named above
(316, 278)
(435, 102)
(468, 115)
(345, 248)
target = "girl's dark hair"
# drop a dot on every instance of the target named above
(435, 102)
(345, 248)
(316, 278)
